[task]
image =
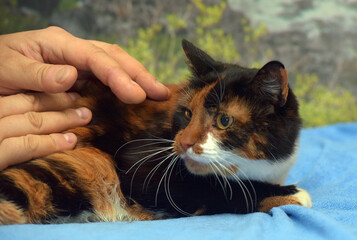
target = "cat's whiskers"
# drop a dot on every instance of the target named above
(166, 178)
(158, 141)
(253, 188)
(150, 144)
(168, 192)
(241, 184)
(153, 171)
(149, 151)
(141, 161)
(213, 167)
(222, 168)
(167, 173)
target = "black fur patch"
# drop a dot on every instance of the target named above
(10, 192)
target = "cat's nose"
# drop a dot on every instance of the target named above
(186, 145)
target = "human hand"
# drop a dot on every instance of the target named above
(30, 124)
(47, 61)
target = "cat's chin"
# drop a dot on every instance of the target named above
(203, 169)
(196, 167)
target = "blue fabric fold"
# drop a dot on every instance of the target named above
(326, 168)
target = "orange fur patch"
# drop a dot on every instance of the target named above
(87, 102)
(250, 149)
(85, 134)
(11, 214)
(268, 203)
(284, 86)
(140, 213)
(238, 109)
(199, 211)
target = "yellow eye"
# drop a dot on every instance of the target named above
(188, 114)
(224, 121)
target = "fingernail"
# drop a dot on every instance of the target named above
(168, 92)
(62, 74)
(83, 112)
(135, 83)
(70, 137)
(159, 83)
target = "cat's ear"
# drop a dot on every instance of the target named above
(199, 61)
(271, 82)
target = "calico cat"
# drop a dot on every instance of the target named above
(223, 143)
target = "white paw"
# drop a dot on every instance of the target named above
(303, 197)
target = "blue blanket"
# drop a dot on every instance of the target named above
(326, 168)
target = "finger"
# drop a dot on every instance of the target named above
(43, 123)
(21, 72)
(36, 102)
(136, 71)
(19, 149)
(86, 56)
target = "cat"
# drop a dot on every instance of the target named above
(223, 143)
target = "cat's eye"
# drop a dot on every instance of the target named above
(224, 121)
(188, 114)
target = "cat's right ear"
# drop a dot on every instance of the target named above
(271, 82)
(199, 61)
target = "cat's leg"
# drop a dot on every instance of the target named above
(10, 213)
(277, 195)
(40, 191)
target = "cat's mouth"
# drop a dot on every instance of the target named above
(200, 168)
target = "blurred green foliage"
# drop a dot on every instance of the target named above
(320, 105)
(67, 5)
(12, 20)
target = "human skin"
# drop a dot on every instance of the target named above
(38, 70)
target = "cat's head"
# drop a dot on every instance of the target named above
(234, 121)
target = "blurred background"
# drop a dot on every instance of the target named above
(316, 40)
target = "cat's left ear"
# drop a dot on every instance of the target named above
(271, 82)
(200, 62)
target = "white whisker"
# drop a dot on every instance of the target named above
(218, 166)
(253, 188)
(161, 140)
(168, 193)
(212, 164)
(152, 172)
(140, 162)
(148, 157)
(149, 151)
(241, 184)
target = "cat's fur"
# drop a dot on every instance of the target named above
(223, 143)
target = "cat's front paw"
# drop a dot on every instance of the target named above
(301, 198)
